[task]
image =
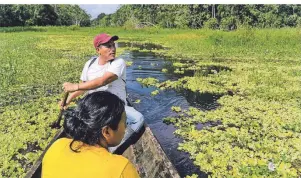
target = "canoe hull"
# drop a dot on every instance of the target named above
(149, 157)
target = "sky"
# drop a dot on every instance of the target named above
(95, 9)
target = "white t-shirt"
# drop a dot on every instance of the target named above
(117, 67)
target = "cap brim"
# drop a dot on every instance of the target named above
(114, 38)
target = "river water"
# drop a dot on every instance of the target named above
(155, 108)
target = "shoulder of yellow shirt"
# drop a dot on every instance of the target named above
(65, 142)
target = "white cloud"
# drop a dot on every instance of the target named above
(95, 9)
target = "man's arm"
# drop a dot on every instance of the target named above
(72, 96)
(107, 78)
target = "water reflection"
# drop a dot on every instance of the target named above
(156, 108)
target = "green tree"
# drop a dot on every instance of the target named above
(45, 15)
(64, 14)
(211, 24)
(95, 22)
(6, 15)
(105, 21)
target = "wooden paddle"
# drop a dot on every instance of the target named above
(57, 123)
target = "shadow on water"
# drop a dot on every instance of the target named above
(31, 147)
(155, 108)
(204, 101)
(200, 126)
(147, 46)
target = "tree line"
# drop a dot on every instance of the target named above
(213, 16)
(42, 15)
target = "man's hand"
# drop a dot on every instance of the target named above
(61, 105)
(70, 87)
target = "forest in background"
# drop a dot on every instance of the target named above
(43, 15)
(212, 16)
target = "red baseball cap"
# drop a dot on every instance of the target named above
(103, 38)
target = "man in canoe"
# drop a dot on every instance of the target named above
(98, 122)
(106, 73)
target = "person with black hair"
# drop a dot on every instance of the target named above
(98, 122)
(106, 73)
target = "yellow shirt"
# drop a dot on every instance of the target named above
(61, 161)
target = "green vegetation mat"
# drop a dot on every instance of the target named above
(255, 131)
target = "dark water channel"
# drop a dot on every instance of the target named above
(155, 108)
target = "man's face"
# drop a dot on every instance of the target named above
(107, 50)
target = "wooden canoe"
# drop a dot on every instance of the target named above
(142, 149)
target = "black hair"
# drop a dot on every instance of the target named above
(93, 112)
